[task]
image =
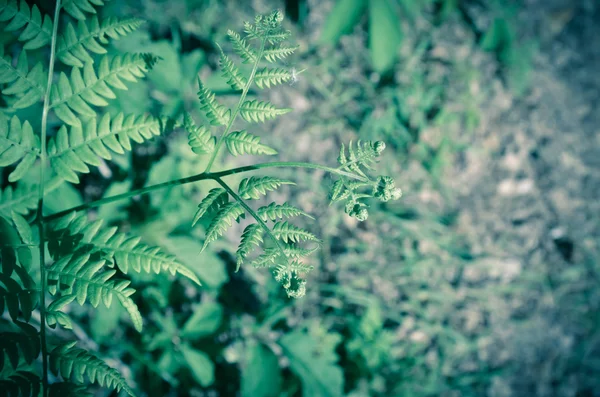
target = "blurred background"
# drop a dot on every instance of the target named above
(483, 280)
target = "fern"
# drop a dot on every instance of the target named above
(254, 187)
(199, 138)
(255, 111)
(27, 85)
(78, 8)
(227, 214)
(18, 144)
(38, 29)
(242, 142)
(270, 77)
(21, 384)
(252, 237)
(275, 211)
(22, 344)
(216, 198)
(217, 114)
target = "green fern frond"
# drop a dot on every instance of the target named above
(68, 389)
(127, 252)
(224, 219)
(364, 154)
(215, 199)
(73, 363)
(292, 233)
(18, 144)
(269, 76)
(255, 111)
(26, 85)
(241, 48)
(79, 91)
(255, 187)
(252, 237)
(74, 44)
(266, 259)
(23, 198)
(231, 72)
(38, 29)
(21, 384)
(71, 152)
(23, 343)
(55, 316)
(216, 113)
(242, 142)
(268, 27)
(78, 8)
(199, 138)
(278, 53)
(19, 299)
(275, 212)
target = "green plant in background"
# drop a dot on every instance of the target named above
(82, 259)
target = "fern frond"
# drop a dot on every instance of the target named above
(268, 27)
(241, 48)
(252, 237)
(242, 142)
(364, 154)
(224, 219)
(79, 91)
(54, 315)
(38, 29)
(23, 198)
(199, 138)
(292, 233)
(72, 363)
(21, 384)
(268, 77)
(18, 298)
(278, 53)
(274, 212)
(18, 144)
(127, 252)
(22, 344)
(26, 85)
(216, 198)
(255, 111)
(74, 44)
(216, 113)
(231, 72)
(78, 8)
(254, 187)
(71, 152)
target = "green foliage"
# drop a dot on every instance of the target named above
(38, 29)
(27, 85)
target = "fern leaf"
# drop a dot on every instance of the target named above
(18, 298)
(266, 259)
(18, 144)
(229, 213)
(74, 44)
(216, 198)
(255, 111)
(275, 212)
(217, 114)
(78, 8)
(268, 77)
(73, 363)
(72, 152)
(242, 142)
(23, 343)
(21, 383)
(55, 316)
(278, 53)
(26, 85)
(127, 252)
(241, 48)
(199, 138)
(38, 29)
(364, 154)
(79, 91)
(251, 238)
(291, 233)
(254, 187)
(23, 198)
(231, 72)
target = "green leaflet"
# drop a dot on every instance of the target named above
(291, 233)
(216, 198)
(217, 114)
(199, 138)
(18, 144)
(38, 29)
(27, 86)
(255, 187)
(242, 142)
(224, 219)
(268, 77)
(275, 212)
(252, 237)
(241, 48)
(78, 8)
(231, 72)
(260, 111)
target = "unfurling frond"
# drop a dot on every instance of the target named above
(78, 8)
(224, 219)
(231, 72)
(241, 48)
(72, 233)
(199, 138)
(18, 144)
(38, 29)
(72, 363)
(216, 113)
(274, 212)
(364, 155)
(72, 152)
(216, 198)
(255, 187)
(291, 233)
(268, 77)
(28, 86)
(242, 142)
(278, 53)
(74, 43)
(81, 90)
(252, 237)
(255, 111)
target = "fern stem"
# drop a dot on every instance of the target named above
(239, 105)
(40, 207)
(252, 214)
(200, 177)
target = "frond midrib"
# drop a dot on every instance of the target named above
(32, 84)
(30, 21)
